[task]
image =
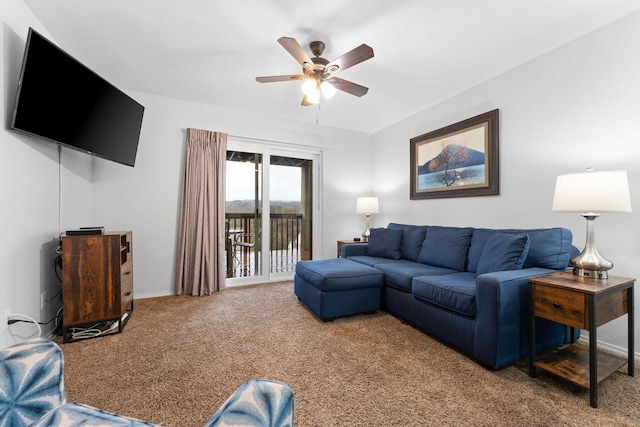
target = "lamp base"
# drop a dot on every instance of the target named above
(590, 263)
(594, 274)
(366, 232)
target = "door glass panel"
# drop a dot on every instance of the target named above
(290, 212)
(243, 203)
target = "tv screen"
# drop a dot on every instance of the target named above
(62, 101)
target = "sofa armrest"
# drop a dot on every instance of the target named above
(31, 380)
(502, 322)
(353, 249)
(261, 403)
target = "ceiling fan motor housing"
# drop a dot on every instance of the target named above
(317, 48)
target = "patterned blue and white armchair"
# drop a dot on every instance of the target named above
(32, 394)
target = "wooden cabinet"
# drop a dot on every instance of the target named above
(97, 284)
(583, 303)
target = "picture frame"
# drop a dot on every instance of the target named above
(459, 160)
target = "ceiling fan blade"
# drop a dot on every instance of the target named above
(349, 87)
(294, 48)
(349, 59)
(288, 77)
(305, 102)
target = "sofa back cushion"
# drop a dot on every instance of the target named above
(412, 239)
(502, 252)
(548, 247)
(385, 243)
(446, 247)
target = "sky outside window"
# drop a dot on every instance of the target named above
(285, 182)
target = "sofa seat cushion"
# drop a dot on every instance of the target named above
(338, 274)
(400, 273)
(370, 260)
(456, 291)
(446, 247)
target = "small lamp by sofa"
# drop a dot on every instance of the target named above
(588, 193)
(367, 206)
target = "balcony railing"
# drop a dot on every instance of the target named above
(243, 237)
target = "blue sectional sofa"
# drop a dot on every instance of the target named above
(468, 287)
(32, 394)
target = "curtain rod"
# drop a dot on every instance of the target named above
(291, 144)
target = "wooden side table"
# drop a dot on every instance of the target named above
(344, 242)
(585, 303)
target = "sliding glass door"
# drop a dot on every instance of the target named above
(270, 199)
(243, 216)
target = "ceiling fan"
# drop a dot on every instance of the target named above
(318, 73)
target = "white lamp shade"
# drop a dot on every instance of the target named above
(314, 98)
(602, 191)
(328, 90)
(367, 205)
(309, 87)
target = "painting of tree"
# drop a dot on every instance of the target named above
(447, 161)
(458, 160)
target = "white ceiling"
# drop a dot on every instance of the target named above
(210, 51)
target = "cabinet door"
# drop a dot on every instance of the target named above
(91, 278)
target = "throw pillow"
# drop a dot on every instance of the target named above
(446, 247)
(385, 243)
(503, 251)
(412, 239)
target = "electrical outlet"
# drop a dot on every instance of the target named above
(43, 299)
(5, 318)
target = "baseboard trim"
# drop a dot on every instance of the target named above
(584, 338)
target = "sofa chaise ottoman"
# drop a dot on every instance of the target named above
(338, 287)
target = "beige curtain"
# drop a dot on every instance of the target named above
(200, 256)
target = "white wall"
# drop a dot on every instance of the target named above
(146, 198)
(39, 194)
(575, 107)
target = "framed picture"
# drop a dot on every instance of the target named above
(459, 160)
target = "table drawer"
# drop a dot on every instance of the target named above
(560, 305)
(126, 294)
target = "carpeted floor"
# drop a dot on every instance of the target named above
(179, 358)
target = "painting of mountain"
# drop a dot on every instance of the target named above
(454, 156)
(458, 160)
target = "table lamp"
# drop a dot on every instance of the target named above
(367, 206)
(588, 193)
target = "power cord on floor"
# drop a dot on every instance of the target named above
(27, 319)
(94, 330)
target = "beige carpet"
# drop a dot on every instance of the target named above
(179, 358)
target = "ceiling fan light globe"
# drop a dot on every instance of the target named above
(328, 90)
(314, 97)
(309, 87)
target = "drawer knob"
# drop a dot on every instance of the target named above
(556, 304)
(127, 294)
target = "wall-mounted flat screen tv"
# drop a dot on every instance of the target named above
(61, 100)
